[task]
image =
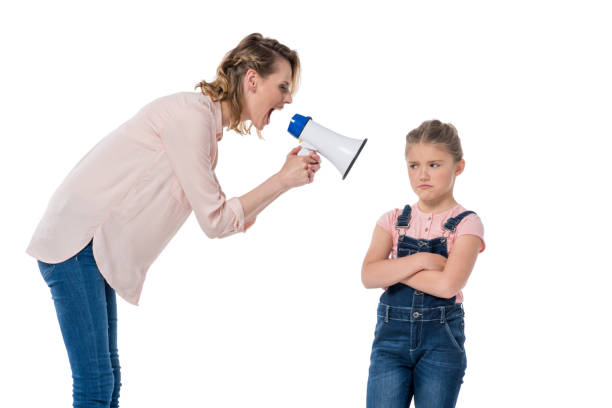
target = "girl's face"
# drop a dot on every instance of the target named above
(432, 171)
(263, 95)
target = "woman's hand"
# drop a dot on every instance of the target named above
(299, 170)
(432, 262)
(249, 224)
(296, 171)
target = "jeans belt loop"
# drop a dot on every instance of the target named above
(387, 314)
(442, 317)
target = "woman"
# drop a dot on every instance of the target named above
(125, 200)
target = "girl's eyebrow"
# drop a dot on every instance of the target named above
(431, 161)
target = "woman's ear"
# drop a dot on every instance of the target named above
(250, 80)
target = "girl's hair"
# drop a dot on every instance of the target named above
(253, 52)
(436, 132)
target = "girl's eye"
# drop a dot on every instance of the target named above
(434, 165)
(413, 166)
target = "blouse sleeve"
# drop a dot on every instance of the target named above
(472, 225)
(187, 138)
(387, 221)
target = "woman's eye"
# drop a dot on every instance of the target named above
(413, 166)
(434, 165)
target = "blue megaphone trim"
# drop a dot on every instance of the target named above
(297, 124)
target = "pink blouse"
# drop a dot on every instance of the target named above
(428, 226)
(135, 189)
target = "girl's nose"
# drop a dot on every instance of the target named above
(423, 174)
(288, 99)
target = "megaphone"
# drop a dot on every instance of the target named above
(342, 151)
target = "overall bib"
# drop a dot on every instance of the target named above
(418, 341)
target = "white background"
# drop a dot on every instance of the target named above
(277, 317)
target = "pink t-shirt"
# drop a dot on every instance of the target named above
(133, 191)
(428, 226)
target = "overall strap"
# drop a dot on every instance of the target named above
(403, 220)
(451, 223)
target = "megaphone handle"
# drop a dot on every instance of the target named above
(304, 151)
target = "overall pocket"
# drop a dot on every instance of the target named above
(456, 335)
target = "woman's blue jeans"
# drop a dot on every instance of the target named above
(87, 312)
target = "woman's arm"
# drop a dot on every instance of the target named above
(297, 171)
(380, 272)
(187, 139)
(447, 282)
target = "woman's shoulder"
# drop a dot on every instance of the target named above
(185, 99)
(193, 107)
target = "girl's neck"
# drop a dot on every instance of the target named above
(437, 206)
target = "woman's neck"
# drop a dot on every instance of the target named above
(225, 113)
(437, 206)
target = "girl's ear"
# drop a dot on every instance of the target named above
(460, 167)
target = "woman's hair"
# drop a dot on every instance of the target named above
(436, 132)
(253, 52)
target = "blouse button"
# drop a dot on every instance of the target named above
(415, 315)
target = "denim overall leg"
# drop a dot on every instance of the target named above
(418, 341)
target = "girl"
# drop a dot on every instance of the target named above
(418, 342)
(130, 194)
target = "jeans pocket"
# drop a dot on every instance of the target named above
(454, 329)
(45, 269)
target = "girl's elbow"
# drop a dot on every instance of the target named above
(365, 278)
(365, 281)
(447, 293)
(450, 289)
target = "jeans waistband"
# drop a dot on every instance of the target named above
(425, 314)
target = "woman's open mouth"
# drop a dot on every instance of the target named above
(267, 120)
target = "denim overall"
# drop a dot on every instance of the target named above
(418, 342)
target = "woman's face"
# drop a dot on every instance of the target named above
(432, 171)
(264, 95)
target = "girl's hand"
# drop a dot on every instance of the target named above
(299, 170)
(432, 262)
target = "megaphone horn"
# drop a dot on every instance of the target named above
(342, 151)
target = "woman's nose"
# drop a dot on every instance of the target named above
(288, 99)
